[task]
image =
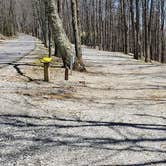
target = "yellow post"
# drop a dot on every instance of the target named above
(66, 73)
(46, 61)
(46, 72)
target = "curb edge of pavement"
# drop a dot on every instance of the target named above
(24, 55)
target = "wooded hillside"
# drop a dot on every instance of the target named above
(129, 26)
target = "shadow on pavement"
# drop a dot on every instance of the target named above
(46, 135)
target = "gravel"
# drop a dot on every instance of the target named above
(115, 114)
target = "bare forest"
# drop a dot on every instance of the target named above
(129, 26)
(82, 82)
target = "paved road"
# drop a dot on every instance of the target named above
(12, 50)
(115, 114)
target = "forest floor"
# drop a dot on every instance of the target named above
(114, 114)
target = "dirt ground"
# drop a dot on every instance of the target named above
(114, 114)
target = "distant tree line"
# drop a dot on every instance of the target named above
(129, 26)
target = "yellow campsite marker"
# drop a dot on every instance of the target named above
(46, 61)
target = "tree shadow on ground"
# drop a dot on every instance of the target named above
(16, 66)
(157, 162)
(48, 135)
(81, 123)
(153, 116)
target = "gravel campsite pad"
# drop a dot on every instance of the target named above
(114, 114)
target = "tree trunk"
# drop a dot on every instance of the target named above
(76, 29)
(150, 32)
(125, 27)
(60, 38)
(162, 30)
(133, 27)
(137, 52)
(145, 13)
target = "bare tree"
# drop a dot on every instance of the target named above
(76, 29)
(136, 26)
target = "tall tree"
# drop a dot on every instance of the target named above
(61, 39)
(145, 28)
(76, 30)
(149, 32)
(125, 27)
(133, 28)
(162, 30)
(137, 26)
